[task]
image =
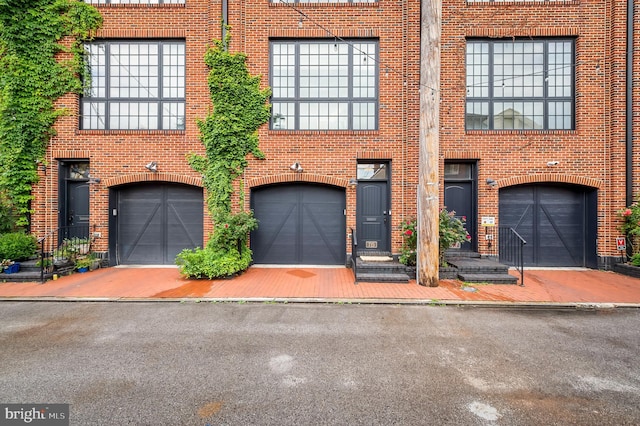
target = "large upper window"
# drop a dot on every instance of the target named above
(324, 85)
(135, 85)
(520, 85)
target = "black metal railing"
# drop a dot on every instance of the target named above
(511, 249)
(354, 254)
(61, 247)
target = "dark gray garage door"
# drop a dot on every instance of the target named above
(157, 221)
(299, 224)
(558, 223)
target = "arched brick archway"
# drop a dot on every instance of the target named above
(550, 178)
(152, 177)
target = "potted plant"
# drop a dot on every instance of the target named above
(83, 263)
(61, 256)
(9, 266)
(81, 246)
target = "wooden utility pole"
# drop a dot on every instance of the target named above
(428, 176)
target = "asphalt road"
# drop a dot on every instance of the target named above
(320, 364)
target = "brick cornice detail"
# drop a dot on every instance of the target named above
(152, 177)
(461, 155)
(70, 154)
(319, 33)
(374, 155)
(549, 177)
(297, 177)
(524, 31)
(142, 33)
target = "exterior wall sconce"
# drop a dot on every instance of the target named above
(492, 183)
(552, 163)
(152, 166)
(296, 167)
(93, 180)
(353, 182)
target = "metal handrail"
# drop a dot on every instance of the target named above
(354, 254)
(511, 249)
(60, 239)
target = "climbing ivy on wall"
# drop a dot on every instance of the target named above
(229, 134)
(32, 77)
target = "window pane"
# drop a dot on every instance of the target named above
(372, 171)
(477, 115)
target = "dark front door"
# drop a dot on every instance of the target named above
(155, 222)
(460, 197)
(299, 224)
(372, 211)
(74, 200)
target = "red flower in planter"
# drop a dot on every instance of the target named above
(409, 232)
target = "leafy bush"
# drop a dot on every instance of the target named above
(8, 215)
(631, 229)
(17, 246)
(451, 232)
(211, 263)
(410, 243)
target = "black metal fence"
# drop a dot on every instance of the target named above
(60, 249)
(511, 249)
(354, 254)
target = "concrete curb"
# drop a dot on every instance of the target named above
(584, 306)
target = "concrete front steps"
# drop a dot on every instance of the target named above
(29, 272)
(380, 269)
(479, 270)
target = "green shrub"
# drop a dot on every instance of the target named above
(17, 246)
(635, 259)
(451, 230)
(211, 263)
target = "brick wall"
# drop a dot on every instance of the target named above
(592, 154)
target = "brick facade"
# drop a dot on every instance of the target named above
(592, 155)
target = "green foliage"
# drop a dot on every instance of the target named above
(410, 243)
(17, 246)
(228, 134)
(631, 220)
(451, 232)
(31, 79)
(630, 227)
(211, 263)
(7, 214)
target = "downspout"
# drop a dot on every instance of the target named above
(225, 21)
(629, 105)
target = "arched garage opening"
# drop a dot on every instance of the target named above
(151, 222)
(299, 224)
(558, 221)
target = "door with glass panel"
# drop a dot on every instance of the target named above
(373, 214)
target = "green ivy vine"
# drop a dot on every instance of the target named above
(229, 133)
(32, 77)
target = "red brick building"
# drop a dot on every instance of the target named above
(534, 131)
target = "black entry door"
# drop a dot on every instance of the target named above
(157, 221)
(299, 224)
(373, 216)
(78, 205)
(460, 197)
(74, 199)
